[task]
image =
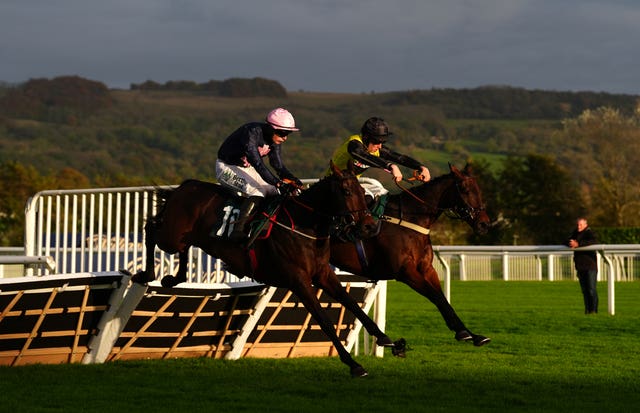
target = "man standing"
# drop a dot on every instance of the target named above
(586, 264)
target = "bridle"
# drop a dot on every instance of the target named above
(341, 221)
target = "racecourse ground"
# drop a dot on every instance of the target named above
(545, 356)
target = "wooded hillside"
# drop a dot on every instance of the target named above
(73, 132)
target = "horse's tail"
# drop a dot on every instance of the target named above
(162, 196)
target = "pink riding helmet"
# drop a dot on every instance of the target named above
(282, 119)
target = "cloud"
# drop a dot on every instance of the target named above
(328, 45)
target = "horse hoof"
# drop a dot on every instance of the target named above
(141, 277)
(464, 335)
(479, 341)
(169, 281)
(358, 371)
(384, 342)
(399, 348)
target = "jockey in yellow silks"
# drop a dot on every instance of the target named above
(368, 150)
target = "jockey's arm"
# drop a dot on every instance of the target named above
(275, 160)
(360, 154)
(254, 158)
(407, 161)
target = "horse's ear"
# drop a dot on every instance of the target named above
(351, 166)
(467, 169)
(454, 170)
(336, 171)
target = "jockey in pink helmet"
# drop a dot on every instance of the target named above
(240, 165)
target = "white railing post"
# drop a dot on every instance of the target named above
(611, 284)
(463, 267)
(447, 275)
(380, 312)
(539, 267)
(505, 265)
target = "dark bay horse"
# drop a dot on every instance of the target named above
(402, 249)
(294, 256)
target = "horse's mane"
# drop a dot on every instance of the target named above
(431, 183)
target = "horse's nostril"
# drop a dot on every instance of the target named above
(482, 227)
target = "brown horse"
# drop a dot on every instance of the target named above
(402, 249)
(294, 256)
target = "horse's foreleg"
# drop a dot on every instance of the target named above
(148, 273)
(330, 283)
(428, 285)
(307, 295)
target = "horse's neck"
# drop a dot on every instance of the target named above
(304, 209)
(427, 207)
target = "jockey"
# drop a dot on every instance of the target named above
(367, 150)
(240, 165)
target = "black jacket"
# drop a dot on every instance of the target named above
(364, 159)
(243, 145)
(584, 260)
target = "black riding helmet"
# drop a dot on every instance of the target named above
(375, 129)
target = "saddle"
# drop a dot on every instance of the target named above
(376, 206)
(229, 211)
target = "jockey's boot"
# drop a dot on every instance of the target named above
(247, 209)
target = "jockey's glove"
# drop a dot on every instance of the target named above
(285, 188)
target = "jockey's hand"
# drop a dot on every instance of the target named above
(294, 182)
(288, 187)
(395, 171)
(422, 174)
(283, 187)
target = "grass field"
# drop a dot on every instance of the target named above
(546, 356)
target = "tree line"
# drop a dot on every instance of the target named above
(234, 87)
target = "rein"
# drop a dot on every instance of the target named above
(454, 212)
(295, 231)
(337, 221)
(409, 192)
(315, 210)
(273, 219)
(341, 222)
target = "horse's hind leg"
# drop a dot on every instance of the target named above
(181, 275)
(307, 295)
(148, 273)
(428, 285)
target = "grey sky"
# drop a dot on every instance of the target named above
(328, 45)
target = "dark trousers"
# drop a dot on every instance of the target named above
(588, 283)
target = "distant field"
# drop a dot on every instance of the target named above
(546, 356)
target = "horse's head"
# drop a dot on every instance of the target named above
(467, 200)
(348, 204)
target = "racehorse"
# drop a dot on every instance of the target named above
(295, 255)
(402, 249)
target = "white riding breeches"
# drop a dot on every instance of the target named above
(243, 179)
(373, 187)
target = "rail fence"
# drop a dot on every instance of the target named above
(94, 230)
(91, 230)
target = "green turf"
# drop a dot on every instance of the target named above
(546, 356)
